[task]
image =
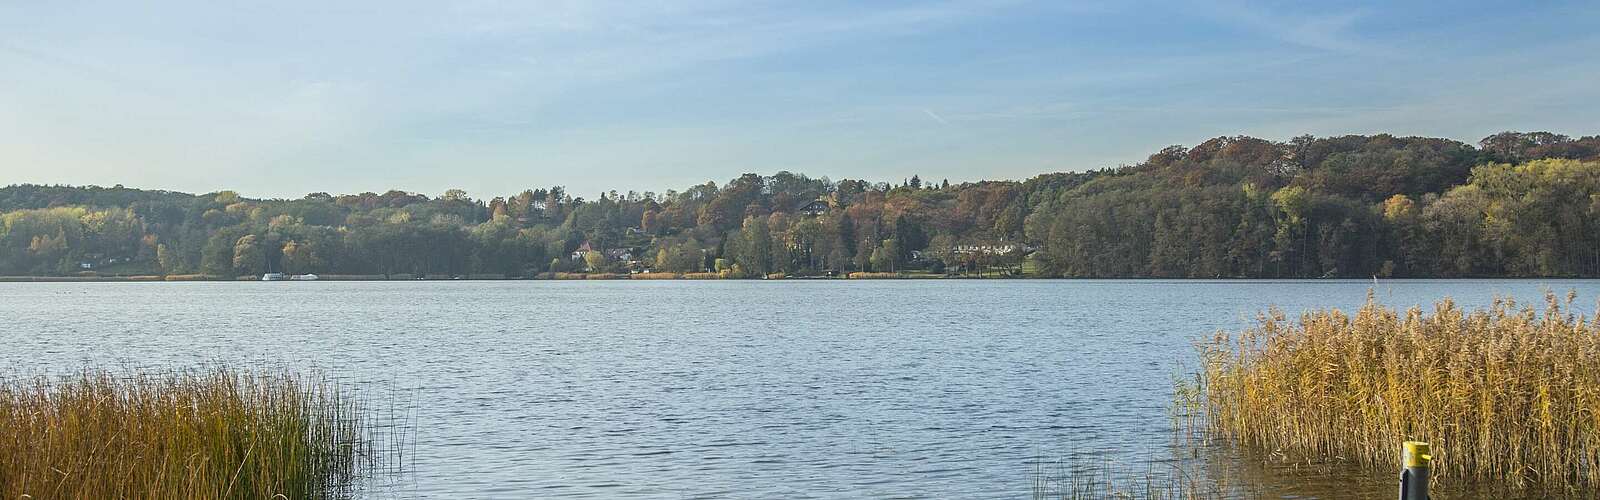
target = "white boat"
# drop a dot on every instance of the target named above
(274, 277)
(304, 277)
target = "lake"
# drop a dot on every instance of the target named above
(723, 389)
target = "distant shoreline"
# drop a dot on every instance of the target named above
(599, 277)
(542, 277)
(1352, 206)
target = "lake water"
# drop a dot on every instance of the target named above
(721, 389)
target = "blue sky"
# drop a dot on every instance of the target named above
(285, 98)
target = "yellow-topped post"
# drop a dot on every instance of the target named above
(1416, 462)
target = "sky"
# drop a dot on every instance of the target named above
(280, 99)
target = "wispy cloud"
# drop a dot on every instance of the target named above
(1329, 31)
(368, 95)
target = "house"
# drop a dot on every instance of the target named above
(586, 247)
(623, 255)
(996, 249)
(619, 255)
(814, 208)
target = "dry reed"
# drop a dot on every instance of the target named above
(859, 275)
(654, 276)
(217, 433)
(190, 277)
(351, 277)
(1508, 396)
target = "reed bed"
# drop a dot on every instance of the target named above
(351, 277)
(216, 433)
(859, 275)
(703, 276)
(654, 276)
(1509, 395)
(189, 277)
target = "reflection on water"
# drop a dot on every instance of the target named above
(1193, 467)
(1214, 470)
(930, 389)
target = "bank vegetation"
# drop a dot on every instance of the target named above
(1508, 395)
(215, 433)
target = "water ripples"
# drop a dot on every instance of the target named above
(946, 389)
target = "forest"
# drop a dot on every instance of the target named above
(1514, 205)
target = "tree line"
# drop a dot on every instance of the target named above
(1515, 204)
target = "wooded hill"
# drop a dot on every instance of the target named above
(1516, 204)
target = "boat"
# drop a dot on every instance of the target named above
(274, 277)
(304, 277)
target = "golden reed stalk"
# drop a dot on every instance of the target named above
(1507, 396)
(205, 434)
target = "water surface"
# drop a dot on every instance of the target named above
(708, 389)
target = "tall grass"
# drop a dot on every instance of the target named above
(1509, 395)
(216, 433)
(1097, 480)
